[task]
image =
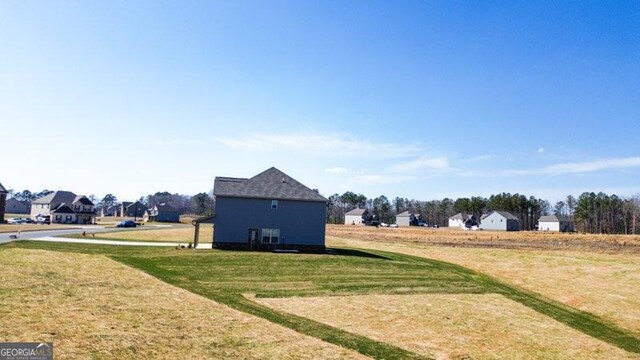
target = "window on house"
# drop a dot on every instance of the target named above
(270, 236)
(274, 204)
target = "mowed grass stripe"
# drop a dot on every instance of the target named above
(195, 272)
(330, 334)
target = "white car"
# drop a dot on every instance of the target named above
(13, 221)
(393, 225)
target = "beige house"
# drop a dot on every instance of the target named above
(354, 217)
(65, 207)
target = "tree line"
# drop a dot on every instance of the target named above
(591, 212)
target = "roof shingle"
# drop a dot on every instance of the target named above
(269, 184)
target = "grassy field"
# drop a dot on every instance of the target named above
(606, 284)
(65, 298)
(242, 280)
(458, 237)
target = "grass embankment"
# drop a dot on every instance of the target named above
(606, 284)
(226, 276)
(499, 239)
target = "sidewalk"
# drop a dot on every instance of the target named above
(106, 242)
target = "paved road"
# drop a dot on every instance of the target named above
(6, 237)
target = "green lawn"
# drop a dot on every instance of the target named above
(224, 276)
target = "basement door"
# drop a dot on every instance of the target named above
(253, 237)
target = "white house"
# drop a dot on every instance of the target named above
(459, 220)
(354, 217)
(555, 223)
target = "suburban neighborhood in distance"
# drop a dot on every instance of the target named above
(326, 180)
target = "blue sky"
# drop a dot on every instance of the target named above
(402, 98)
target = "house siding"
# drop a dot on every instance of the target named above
(403, 220)
(353, 219)
(301, 223)
(3, 201)
(562, 226)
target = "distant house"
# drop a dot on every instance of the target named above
(268, 211)
(3, 200)
(555, 223)
(15, 206)
(500, 220)
(355, 216)
(161, 213)
(65, 207)
(462, 220)
(134, 209)
(407, 218)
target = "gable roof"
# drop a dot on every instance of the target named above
(460, 216)
(554, 218)
(165, 207)
(505, 214)
(404, 214)
(357, 211)
(63, 209)
(83, 200)
(269, 184)
(2, 189)
(57, 197)
(133, 205)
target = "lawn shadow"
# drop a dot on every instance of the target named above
(355, 253)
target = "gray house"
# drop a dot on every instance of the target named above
(162, 213)
(407, 219)
(268, 211)
(500, 220)
(3, 200)
(15, 206)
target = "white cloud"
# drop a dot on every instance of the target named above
(336, 170)
(540, 150)
(579, 167)
(378, 179)
(323, 144)
(591, 166)
(478, 158)
(422, 164)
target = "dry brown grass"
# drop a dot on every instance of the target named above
(447, 236)
(182, 234)
(452, 326)
(92, 307)
(604, 284)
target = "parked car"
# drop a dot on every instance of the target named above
(393, 225)
(13, 221)
(126, 224)
(43, 219)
